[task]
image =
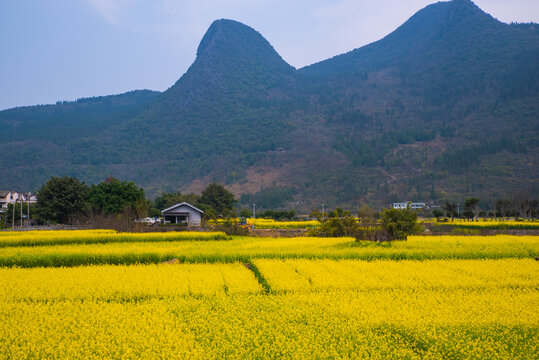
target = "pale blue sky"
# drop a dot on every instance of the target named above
(66, 49)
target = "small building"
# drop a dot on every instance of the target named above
(408, 204)
(13, 197)
(183, 213)
(402, 205)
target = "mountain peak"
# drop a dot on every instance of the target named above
(226, 31)
(231, 43)
(432, 29)
(232, 58)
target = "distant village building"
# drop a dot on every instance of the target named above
(12, 197)
(408, 204)
(182, 213)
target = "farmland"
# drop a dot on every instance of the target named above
(245, 248)
(497, 225)
(35, 238)
(428, 297)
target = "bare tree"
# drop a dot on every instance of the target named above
(450, 208)
(472, 205)
(523, 203)
(504, 207)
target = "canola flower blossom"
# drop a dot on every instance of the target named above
(273, 224)
(307, 275)
(447, 297)
(378, 324)
(241, 249)
(61, 237)
(108, 282)
(499, 224)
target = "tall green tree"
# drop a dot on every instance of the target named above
(113, 196)
(218, 198)
(61, 199)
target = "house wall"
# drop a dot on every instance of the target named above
(195, 217)
(9, 198)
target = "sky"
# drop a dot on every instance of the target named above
(58, 50)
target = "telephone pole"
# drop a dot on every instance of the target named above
(22, 206)
(254, 211)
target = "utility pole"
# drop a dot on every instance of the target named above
(22, 206)
(254, 211)
(323, 213)
(458, 210)
(28, 202)
(13, 213)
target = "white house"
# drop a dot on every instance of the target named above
(12, 197)
(182, 213)
(7, 197)
(403, 205)
(408, 204)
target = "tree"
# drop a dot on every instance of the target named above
(450, 209)
(246, 213)
(524, 203)
(534, 208)
(471, 207)
(316, 214)
(218, 198)
(278, 214)
(337, 227)
(400, 223)
(169, 199)
(60, 199)
(437, 213)
(365, 212)
(503, 206)
(113, 197)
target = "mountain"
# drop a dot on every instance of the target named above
(445, 105)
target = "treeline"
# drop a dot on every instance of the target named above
(214, 200)
(116, 204)
(519, 205)
(66, 121)
(111, 203)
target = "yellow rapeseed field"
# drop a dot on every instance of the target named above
(55, 233)
(455, 297)
(125, 282)
(378, 324)
(302, 274)
(489, 224)
(273, 224)
(245, 248)
(61, 237)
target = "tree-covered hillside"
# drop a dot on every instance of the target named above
(446, 104)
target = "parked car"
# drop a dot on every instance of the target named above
(146, 220)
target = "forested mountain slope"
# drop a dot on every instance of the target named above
(447, 104)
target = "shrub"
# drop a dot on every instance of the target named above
(337, 227)
(400, 223)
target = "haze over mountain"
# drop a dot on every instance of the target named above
(447, 104)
